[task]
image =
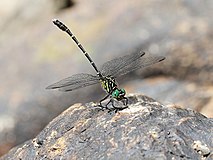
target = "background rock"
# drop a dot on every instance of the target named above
(34, 54)
(145, 130)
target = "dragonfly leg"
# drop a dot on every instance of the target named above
(113, 105)
(100, 104)
(126, 101)
(119, 108)
(116, 109)
(110, 101)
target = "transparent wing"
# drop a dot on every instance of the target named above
(139, 63)
(74, 82)
(113, 66)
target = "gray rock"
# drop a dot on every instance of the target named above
(145, 130)
(34, 54)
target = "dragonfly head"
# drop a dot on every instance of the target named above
(118, 94)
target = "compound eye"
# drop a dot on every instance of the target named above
(115, 93)
(123, 91)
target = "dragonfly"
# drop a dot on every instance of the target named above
(107, 73)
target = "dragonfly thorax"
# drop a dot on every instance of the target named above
(109, 84)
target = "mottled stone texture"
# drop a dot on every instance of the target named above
(145, 130)
(34, 54)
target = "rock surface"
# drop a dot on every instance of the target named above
(145, 130)
(34, 54)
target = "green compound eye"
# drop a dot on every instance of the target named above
(118, 92)
(115, 94)
(123, 91)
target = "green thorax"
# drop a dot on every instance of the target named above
(110, 86)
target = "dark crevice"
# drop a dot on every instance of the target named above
(63, 4)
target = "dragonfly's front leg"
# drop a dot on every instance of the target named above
(112, 102)
(119, 108)
(100, 104)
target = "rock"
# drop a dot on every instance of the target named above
(180, 30)
(170, 90)
(62, 4)
(145, 130)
